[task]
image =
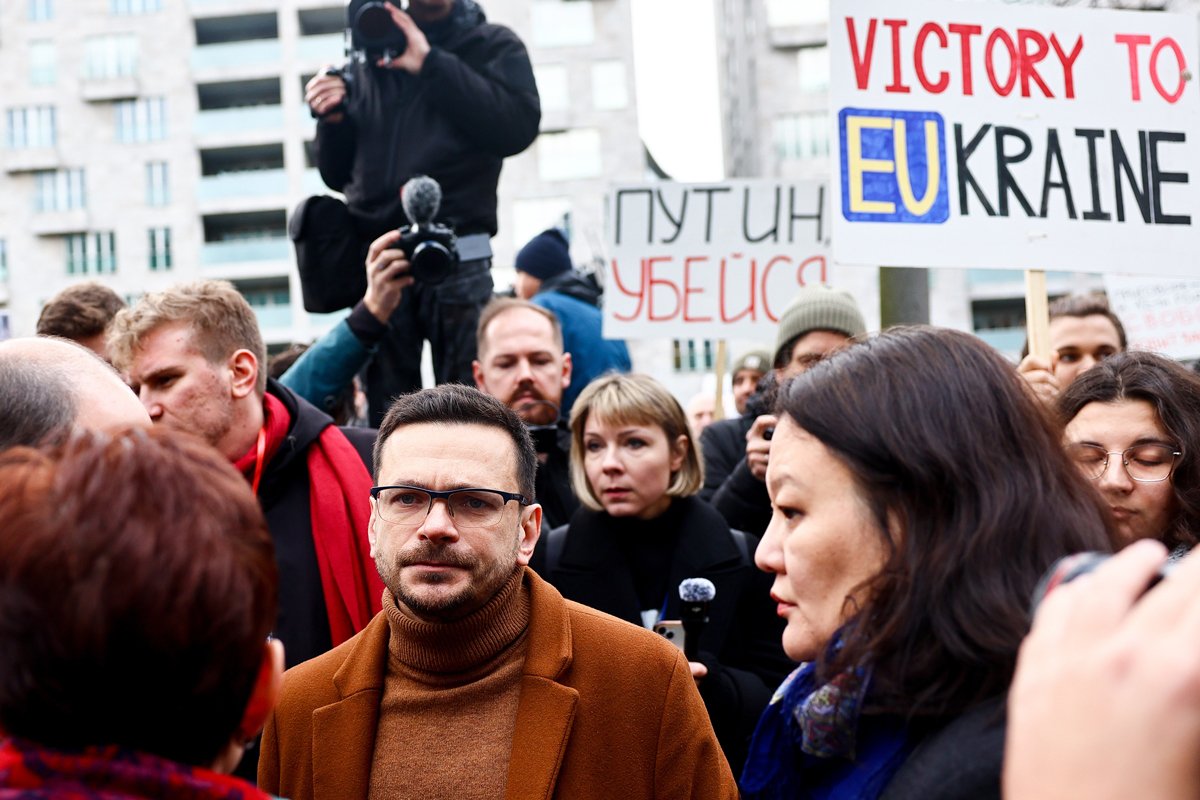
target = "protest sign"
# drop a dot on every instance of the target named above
(987, 135)
(1159, 314)
(714, 260)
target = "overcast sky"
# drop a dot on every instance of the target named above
(674, 50)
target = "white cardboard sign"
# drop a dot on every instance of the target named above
(992, 135)
(1159, 314)
(714, 260)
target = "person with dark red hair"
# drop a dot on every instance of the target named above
(139, 588)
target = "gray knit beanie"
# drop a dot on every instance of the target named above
(756, 360)
(819, 308)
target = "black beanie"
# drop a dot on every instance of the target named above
(545, 256)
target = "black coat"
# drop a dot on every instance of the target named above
(553, 482)
(742, 643)
(741, 498)
(473, 104)
(302, 624)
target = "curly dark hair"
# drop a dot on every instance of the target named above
(974, 498)
(1173, 391)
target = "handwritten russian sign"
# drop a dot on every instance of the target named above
(711, 260)
(978, 135)
(1159, 314)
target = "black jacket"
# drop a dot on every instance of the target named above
(553, 482)
(741, 498)
(473, 103)
(302, 625)
(742, 643)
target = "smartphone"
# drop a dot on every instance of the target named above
(672, 631)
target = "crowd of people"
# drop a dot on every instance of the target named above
(223, 576)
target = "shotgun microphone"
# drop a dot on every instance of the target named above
(696, 594)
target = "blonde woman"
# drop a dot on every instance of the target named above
(636, 469)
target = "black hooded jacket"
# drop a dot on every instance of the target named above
(473, 103)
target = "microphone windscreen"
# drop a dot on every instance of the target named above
(697, 590)
(421, 197)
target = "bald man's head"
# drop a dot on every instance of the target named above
(50, 386)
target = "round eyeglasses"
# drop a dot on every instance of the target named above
(1146, 463)
(470, 508)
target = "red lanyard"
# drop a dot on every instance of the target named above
(258, 461)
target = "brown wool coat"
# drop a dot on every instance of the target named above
(607, 710)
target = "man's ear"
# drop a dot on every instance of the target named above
(567, 367)
(531, 529)
(243, 369)
(371, 527)
(477, 371)
(265, 693)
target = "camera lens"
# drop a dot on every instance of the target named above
(431, 262)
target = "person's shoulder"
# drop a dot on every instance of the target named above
(596, 635)
(963, 759)
(363, 440)
(310, 684)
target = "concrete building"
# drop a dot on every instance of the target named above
(148, 142)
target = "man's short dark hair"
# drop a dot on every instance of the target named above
(454, 404)
(1085, 305)
(79, 312)
(37, 405)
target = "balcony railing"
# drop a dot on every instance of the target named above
(234, 251)
(238, 120)
(257, 52)
(251, 183)
(326, 48)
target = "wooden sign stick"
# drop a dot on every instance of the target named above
(1037, 313)
(719, 399)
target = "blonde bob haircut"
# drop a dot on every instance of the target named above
(625, 399)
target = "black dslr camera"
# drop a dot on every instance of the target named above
(431, 249)
(372, 31)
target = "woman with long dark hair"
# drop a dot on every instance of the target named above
(918, 495)
(1132, 427)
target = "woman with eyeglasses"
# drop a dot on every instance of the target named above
(1132, 425)
(636, 469)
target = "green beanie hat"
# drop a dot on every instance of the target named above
(818, 308)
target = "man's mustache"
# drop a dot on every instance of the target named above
(430, 553)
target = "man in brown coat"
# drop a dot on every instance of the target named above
(478, 680)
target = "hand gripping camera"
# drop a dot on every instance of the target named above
(431, 249)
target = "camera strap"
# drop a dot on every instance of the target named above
(474, 247)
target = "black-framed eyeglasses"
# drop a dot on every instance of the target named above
(470, 508)
(1145, 463)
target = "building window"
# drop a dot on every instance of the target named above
(32, 126)
(814, 69)
(43, 63)
(799, 137)
(609, 90)
(128, 8)
(158, 190)
(41, 10)
(59, 190)
(111, 56)
(160, 249)
(553, 88)
(562, 23)
(143, 120)
(3, 259)
(92, 253)
(692, 355)
(569, 155)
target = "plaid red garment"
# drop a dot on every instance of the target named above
(30, 772)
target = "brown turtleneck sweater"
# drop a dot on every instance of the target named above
(449, 703)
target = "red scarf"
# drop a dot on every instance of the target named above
(338, 486)
(29, 771)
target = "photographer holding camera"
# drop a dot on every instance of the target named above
(436, 91)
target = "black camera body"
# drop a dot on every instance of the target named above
(432, 251)
(1068, 568)
(372, 31)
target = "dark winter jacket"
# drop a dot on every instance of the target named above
(574, 299)
(473, 103)
(303, 623)
(742, 643)
(740, 497)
